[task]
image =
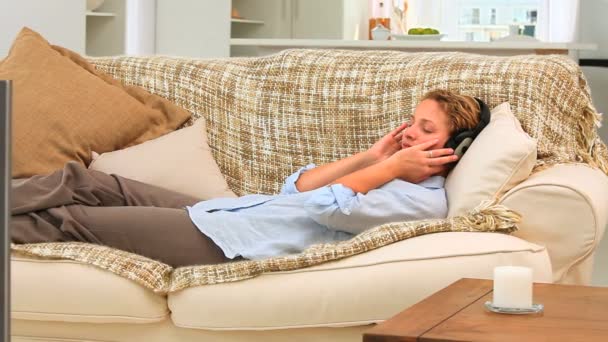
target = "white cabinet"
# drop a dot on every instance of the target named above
(106, 29)
(318, 19)
(301, 19)
(262, 19)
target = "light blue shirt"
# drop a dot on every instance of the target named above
(264, 226)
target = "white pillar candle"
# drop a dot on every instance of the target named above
(513, 287)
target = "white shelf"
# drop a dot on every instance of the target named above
(435, 44)
(246, 21)
(100, 14)
(105, 29)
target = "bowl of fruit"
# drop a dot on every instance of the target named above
(420, 33)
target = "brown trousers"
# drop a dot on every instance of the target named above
(78, 204)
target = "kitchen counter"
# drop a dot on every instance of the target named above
(510, 47)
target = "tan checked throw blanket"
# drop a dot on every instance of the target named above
(267, 116)
(162, 278)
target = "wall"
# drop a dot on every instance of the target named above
(593, 28)
(197, 28)
(61, 22)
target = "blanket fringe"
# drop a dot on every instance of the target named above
(488, 216)
(588, 139)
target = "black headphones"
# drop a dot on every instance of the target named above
(461, 140)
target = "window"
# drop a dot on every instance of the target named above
(488, 20)
(491, 19)
(469, 16)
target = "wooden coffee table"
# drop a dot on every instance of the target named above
(457, 313)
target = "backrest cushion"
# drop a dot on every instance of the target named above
(501, 157)
(64, 108)
(180, 161)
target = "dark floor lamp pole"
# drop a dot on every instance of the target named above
(5, 176)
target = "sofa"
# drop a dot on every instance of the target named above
(561, 201)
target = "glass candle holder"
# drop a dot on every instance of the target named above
(513, 291)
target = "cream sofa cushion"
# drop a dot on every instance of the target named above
(180, 161)
(501, 157)
(361, 289)
(556, 202)
(69, 291)
(39, 331)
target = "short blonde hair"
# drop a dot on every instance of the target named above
(462, 110)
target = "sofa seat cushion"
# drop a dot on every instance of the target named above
(69, 291)
(165, 331)
(361, 289)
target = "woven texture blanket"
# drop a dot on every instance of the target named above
(267, 116)
(162, 278)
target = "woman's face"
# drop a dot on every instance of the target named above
(428, 122)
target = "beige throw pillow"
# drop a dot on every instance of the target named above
(501, 157)
(63, 108)
(180, 161)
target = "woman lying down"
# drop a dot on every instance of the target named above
(399, 178)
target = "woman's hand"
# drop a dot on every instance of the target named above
(388, 145)
(415, 164)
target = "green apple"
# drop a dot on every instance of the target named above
(422, 30)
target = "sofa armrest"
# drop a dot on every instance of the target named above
(564, 208)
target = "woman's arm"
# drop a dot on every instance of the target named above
(413, 164)
(381, 150)
(324, 174)
(370, 177)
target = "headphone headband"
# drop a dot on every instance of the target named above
(484, 120)
(484, 116)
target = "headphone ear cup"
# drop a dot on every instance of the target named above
(463, 146)
(455, 140)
